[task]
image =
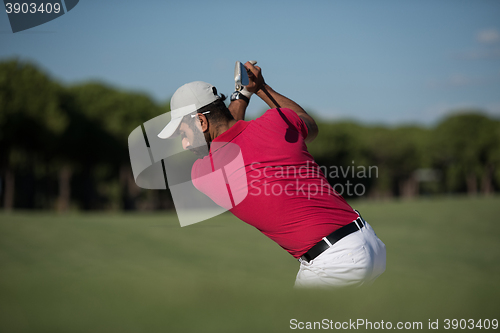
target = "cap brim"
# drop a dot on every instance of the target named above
(170, 129)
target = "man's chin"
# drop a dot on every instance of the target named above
(200, 151)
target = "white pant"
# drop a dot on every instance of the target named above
(356, 259)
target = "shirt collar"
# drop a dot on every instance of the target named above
(232, 132)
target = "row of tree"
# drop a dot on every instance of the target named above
(64, 147)
(461, 154)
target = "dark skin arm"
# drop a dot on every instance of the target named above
(238, 109)
(258, 86)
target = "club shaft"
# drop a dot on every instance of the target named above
(270, 97)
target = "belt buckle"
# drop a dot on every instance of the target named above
(360, 223)
(303, 259)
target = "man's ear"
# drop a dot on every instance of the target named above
(203, 122)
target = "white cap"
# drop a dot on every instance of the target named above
(187, 99)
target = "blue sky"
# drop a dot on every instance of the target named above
(389, 62)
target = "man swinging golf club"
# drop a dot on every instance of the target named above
(289, 199)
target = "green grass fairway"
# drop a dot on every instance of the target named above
(144, 273)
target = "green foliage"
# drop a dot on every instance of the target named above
(86, 126)
(82, 127)
(465, 144)
(339, 142)
(466, 139)
(30, 115)
(396, 152)
(119, 112)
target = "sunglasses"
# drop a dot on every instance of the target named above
(194, 115)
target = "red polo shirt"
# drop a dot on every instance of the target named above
(281, 192)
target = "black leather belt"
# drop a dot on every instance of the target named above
(333, 238)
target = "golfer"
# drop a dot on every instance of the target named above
(287, 198)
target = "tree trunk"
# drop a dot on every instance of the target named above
(487, 181)
(10, 184)
(471, 184)
(408, 188)
(130, 190)
(64, 199)
(377, 194)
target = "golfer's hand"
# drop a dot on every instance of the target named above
(254, 77)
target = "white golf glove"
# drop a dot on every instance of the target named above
(242, 89)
